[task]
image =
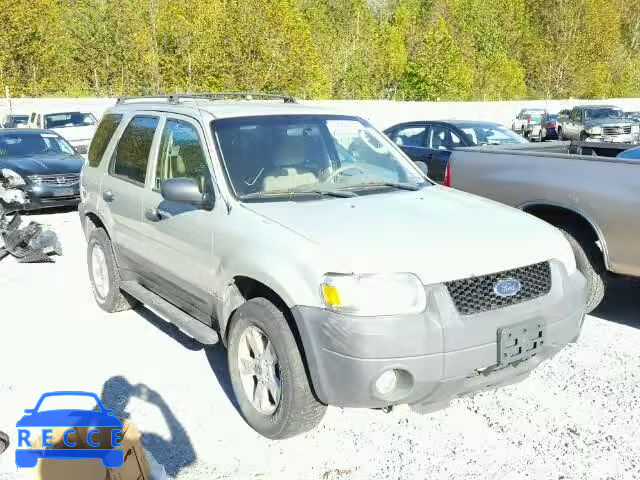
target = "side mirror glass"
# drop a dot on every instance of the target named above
(181, 190)
(423, 167)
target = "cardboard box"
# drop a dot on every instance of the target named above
(135, 467)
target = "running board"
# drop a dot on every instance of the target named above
(169, 312)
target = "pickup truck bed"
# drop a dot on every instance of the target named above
(595, 200)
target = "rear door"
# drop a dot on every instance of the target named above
(177, 243)
(122, 189)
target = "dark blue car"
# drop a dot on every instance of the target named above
(46, 162)
(432, 141)
(104, 418)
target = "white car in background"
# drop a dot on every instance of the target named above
(76, 127)
(528, 122)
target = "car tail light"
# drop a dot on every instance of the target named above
(447, 175)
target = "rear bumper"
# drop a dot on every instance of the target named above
(440, 353)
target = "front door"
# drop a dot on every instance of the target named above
(178, 240)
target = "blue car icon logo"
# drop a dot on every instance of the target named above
(45, 420)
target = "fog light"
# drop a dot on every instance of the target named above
(386, 382)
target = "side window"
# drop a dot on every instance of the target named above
(442, 138)
(575, 115)
(132, 153)
(181, 154)
(413, 136)
(103, 134)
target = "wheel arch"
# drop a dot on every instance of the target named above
(557, 215)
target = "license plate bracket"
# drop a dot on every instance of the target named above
(520, 342)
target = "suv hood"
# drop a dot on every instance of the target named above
(43, 164)
(73, 134)
(437, 233)
(609, 122)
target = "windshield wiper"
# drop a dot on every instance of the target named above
(293, 193)
(399, 185)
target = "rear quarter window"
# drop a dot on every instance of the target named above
(103, 134)
(132, 153)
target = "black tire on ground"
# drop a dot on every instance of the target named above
(589, 261)
(541, 136)
(298, 410)
(114, 300)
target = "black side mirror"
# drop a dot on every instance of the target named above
(423, 167)
(182, 190)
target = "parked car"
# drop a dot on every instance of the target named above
(548, 128)
(77, 128)
(592, 199)
(526, 120)
(599, 123)
(635, 116)
(333, 270)
(14, 121)
(43, 165)
(632, 153)
(432, 142)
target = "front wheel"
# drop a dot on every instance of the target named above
(267, 373)
(589, 261)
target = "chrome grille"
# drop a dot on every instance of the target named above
(617, 130)
(60, 180)
(476, 294)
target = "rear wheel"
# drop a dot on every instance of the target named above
(267, 373)
(590, 262)
(104, 274)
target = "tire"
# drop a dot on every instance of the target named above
(106, 290)
(4, 442)
(541, 136)
(560, 135)
(297, 410)
(590, 263)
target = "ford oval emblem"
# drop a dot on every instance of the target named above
(507, 287)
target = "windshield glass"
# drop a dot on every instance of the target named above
(491, 135)
(271, 155)
(603, 113)
(20, 145)
(68, 119)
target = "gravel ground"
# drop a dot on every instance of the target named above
(576, 417)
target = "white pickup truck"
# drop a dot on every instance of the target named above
(76, 127)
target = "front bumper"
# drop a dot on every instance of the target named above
(47, 196)
(623, 138)
(441, 354)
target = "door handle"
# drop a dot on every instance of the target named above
(155, 214)
(107, 195)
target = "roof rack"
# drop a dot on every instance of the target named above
(177, 97)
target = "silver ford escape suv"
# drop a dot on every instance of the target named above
(333, 270)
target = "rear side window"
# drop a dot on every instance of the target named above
(103, 134)
(132, 152)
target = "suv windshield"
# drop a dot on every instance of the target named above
(603, 113)
(25, 144)
(69, 119)
(316, 154)
(491, 135)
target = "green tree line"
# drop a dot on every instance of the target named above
(396, 49)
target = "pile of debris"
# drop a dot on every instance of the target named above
(29, 242)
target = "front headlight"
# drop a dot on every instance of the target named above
(373, 295)
(594, 130)
(635, 129)
(13, 179)
(35, 179)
